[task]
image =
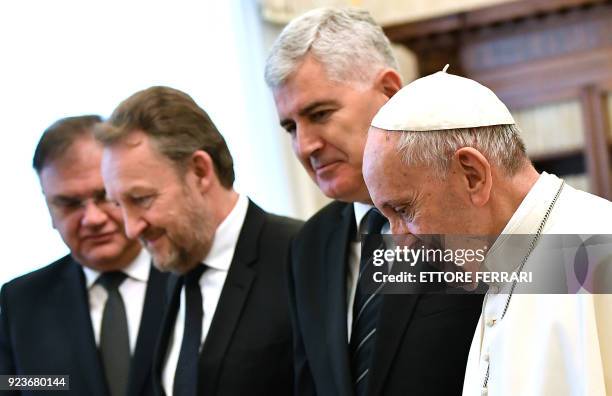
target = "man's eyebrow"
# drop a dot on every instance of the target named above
(64, 199)
(60, 198)
(138, 189)
(314, 105)
(389, 204)
(309, 109)
(94, 193)
(408, 201)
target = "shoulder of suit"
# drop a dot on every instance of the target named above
(282, 224)
(286, 224)
(41, 278)
(326, 218)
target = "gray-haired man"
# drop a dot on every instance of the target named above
(456, 165)
(330, 71)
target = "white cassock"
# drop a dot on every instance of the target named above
(546, 344)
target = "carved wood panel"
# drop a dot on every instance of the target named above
(530, 53)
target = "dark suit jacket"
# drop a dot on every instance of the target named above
(45, 328)
(422, 340)
(248, 348)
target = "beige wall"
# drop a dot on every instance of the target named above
(384, 11)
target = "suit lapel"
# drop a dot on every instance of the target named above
(396, 312)
(75, 320)
(172, 296)
(233, 296)
(150, 323)
(336, 254)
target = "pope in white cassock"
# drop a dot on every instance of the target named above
(444, 156)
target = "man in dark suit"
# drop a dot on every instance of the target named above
(68, 318)
(227, 328)
(330, 71)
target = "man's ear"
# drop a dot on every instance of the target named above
(388, 82)
(475, 172)
(201, 164)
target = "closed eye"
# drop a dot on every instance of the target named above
(403, 211)
(67, 203)
(289, 127)
(142, 201)
(407, 210)
(320, 115)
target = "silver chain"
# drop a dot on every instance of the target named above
(532, 246)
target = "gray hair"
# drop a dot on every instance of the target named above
(346, 41)
(500, 144)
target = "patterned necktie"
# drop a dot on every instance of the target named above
(114, 338)
(186, 376)
(366, 305)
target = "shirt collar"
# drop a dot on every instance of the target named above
(360, 210)
(528, 216)
(226, 237)
(530, 212)
(137, 270)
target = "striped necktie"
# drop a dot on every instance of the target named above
(366, 305)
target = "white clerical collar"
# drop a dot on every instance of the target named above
(527, 218)
(226, 237)
(138, 269)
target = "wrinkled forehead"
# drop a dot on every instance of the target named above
(384, 171)
(78, 168)
(124, 159)
(381, 148)
(81, 152)
(134, 148)
(135, 163)
(309, 82)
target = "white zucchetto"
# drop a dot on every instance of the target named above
(442, 101)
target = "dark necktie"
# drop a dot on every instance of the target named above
(366, 305)
(186, 376)
(114, 338)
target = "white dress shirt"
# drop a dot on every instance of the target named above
(352, 271)
(217, 264)
(354, 258)
(132, 290)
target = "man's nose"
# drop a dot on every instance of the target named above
(307, 141)
(398, 227)
(134, 225)
(93, 215)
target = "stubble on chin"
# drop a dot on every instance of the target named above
(170, 263)
(193, 242)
